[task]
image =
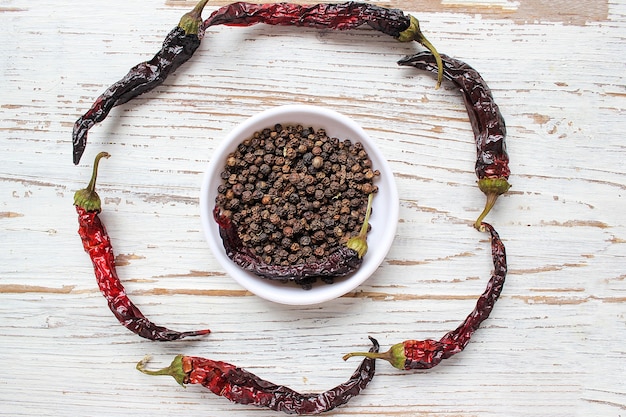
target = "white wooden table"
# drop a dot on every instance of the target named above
(554, 344)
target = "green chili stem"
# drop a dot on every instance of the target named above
(395, 355)
(438, 59)
(94, 173)
(414, 33)
(175, 369)
(371, 355)
(491, 201)
(492, 188)
(190, 22)
(88, 198)
(359, 243)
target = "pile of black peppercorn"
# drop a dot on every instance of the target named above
(295, 194)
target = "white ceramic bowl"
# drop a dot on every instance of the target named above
(384, 207)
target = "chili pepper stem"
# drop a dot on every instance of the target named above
(413, 33)
(190, 22)
(491, 201)
(426, 43)
(88, 198)
(359, 243)
(175, 369)
(395, 355)
(492, 187)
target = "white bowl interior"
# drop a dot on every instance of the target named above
(385, 205)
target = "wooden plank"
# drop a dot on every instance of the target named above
(553, 345)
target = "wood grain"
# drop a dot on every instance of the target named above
(553, 345)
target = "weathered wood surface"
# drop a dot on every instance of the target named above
(554, 345)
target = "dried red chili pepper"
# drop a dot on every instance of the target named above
(243, 387)
(425, 354)
(341, 262)
(492, 160)
(97, 244)
(178, 47)
(341, 16)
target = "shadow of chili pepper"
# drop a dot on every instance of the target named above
(425, 354)
(492, 160)
(97, 244)
(178, 47)
(243, 387)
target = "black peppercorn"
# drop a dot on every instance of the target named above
(295, 194)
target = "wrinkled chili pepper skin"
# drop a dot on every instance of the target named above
(487, 122)
(339, 263)
(342, 16)
(243, 387)
(97, 244)
(426, 354)
(492, 160)
(177, 49)
(339, 16)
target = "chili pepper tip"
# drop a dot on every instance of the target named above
(88, 198)
(413, 33)
(175, 369)
(190, 22)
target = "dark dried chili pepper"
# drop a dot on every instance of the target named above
(97, 244)
(425, 354)
(339, 263)
(178, 47)
(492, 160)
(341, 16)
(243, 387)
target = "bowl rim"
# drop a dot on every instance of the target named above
(387, 199)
